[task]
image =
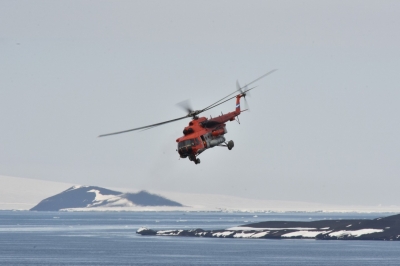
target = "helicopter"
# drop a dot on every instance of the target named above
(202, 133)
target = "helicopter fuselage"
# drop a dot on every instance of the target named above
(203, 133)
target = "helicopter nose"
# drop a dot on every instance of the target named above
(185, 151)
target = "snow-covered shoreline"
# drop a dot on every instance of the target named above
(384, 228)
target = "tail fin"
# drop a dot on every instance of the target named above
(237, 110)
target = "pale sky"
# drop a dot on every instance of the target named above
(323, 128)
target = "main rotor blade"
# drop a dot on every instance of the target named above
(145, 127)
(185, 105)
(239, 89)
(272, 71)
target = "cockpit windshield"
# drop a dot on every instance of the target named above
(189, 142)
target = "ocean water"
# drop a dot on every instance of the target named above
(109, 238)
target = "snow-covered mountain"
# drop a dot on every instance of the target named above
(92, 197)
(23, 194)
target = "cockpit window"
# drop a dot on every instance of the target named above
(189, 142)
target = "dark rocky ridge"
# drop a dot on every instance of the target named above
(85, 197)
(386, 228)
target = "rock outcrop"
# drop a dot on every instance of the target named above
(386, 228)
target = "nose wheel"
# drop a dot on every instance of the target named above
(230, 145)
(194, 159)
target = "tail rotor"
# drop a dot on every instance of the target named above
(244, 94)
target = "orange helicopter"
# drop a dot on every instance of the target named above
(202, 133)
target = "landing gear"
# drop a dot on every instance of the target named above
(194, 159)
(230, 145)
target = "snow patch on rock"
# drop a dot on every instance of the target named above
(305, 234)
(356, 233)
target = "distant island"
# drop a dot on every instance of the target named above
(386, 228)
(92, 197)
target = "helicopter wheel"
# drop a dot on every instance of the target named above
(197, 161)
(230, 144)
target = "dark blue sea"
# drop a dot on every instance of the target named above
(109, 238)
